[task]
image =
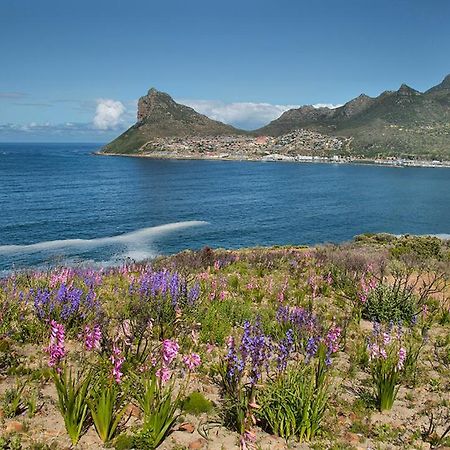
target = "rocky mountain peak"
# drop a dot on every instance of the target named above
(443, 86)
(355, 106)
(407, 90)
(154, 101)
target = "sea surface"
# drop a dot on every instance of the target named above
(59, 203)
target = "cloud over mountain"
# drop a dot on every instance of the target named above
(246, 115)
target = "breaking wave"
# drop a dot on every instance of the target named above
(135, 245)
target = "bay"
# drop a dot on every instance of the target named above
(62, 192)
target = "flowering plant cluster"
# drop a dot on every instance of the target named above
(387, 355)
(66, 303)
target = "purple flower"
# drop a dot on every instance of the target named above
(311, 347)
(285, 348)
(332, 339)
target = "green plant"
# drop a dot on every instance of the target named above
(32, 404)
(444, 317)
(387, 359)
(123, 442)
(107, 408)
(73, 391)
(13, 442)
(295, 402)
(438, 419)
(196, 403)
(387, 304)
(159, 408)
(13, 402)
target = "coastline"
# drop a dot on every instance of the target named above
(401, 163)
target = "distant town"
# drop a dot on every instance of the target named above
(298, 146)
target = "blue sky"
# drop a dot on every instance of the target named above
(73, 70)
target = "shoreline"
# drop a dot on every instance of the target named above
(400, 163)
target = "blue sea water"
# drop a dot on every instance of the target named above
(64, 193)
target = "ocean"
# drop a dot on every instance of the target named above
(60, 204)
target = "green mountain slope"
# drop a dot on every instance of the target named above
(396, 123)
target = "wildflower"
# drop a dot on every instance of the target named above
(92, 337)
(163, 374)
(332, 339)
(169, 351)
(56, 348)
(312, 281)
(374, 351)
(401, 358)
(194, 294)
(117, 361)
(192, 361)
(284, 350)
(311, 347)
(127, 334)
(235, 365)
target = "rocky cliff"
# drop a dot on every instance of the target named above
(159, 115)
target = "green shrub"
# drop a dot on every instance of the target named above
(424, 247)
(385, 304)
(196, 404)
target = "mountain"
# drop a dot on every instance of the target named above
(404, 123)
(159, 116)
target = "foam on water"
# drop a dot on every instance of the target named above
(136, 244)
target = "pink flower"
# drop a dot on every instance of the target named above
(192, 361)
(56, 348)
(332, 339)
(386, 338)
(92, 337)
(117, 361)
(169, 351)
(374, 351)
(329, 279)
(401, 358)
(163, 374)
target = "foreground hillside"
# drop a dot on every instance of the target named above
(333, 347)
(405, 124)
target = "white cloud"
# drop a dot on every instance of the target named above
(326, 105)
(247, 115)
(108, 114)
